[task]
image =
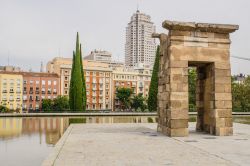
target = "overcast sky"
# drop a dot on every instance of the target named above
(32, 31)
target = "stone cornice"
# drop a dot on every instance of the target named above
(201, 27)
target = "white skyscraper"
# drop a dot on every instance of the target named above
(140, 46)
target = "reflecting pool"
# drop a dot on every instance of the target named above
(28, 140)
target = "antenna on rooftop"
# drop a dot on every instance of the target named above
(8, 57)
(137, 7)
(41, 68)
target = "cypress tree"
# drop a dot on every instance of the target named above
(71, 96)
(76, 95)
(84, 83)
(153, 89)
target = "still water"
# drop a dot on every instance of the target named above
(27, 141)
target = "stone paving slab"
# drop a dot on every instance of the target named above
(140, 144)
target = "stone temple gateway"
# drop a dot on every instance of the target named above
(206, 47)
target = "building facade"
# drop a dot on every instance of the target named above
(11, 85)
(137, 79)
(98, 55)
(98, 81)
(102, 80)
(140, 47)
(39, 86)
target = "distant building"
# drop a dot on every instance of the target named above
(240, 78)
(97, 77)
(39, 86)
(136, 79)
(10, 68)
(102, 79)
(140, 47)
(98, 55)
(11, 85)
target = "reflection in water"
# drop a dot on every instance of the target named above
(30, 139)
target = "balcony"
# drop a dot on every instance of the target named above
(24, 99)
(94, 94)
(11, 100)
(4, 99)
(49, 92)
(24, 92)
(18, 92)
(11, 91)
(43, 92)
(17, 99)
(4, 91)
(31, 92)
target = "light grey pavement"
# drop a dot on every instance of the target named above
(140, 144)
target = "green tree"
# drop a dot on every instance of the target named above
(241, 96)
(4, 109)
(76, 87)
(47, 105)
(61, 103)
(138, 101)
(84, 83)
(192, 76)
(123, 95)
(153, 89)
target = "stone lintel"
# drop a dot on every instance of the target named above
(156, 35)
(199, 27)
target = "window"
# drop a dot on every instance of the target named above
(55, 82)
(18, 97)
(31, 81)
(43, 90)
(93, 106)
(66, 85)
(43, 82)
(87, 79)
(66, 92)
(49, 90)
(49, 82)
(66, 78)
(18, 81)
(37, 82)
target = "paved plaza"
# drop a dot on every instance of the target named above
(140, 144)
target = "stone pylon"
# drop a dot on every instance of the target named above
(206, 47)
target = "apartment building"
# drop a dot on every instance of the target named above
(97, 77)
(137, 79)
(140, 47)
(99, 55)
(11, 90)
(39, 86)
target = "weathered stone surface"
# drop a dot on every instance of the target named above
(180, 132)
(207, 47)
(203, 27)
(177, 113)
(178, 123)
(224, 131)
